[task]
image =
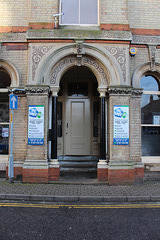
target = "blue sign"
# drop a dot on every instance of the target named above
(13, 101)
(121, 125)
(36, 125)
(35, 141)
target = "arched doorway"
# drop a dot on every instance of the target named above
(78, 120)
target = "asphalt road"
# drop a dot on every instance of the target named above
(79, 222)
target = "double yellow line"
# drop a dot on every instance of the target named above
(56, 206)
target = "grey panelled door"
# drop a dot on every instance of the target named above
(77, 127)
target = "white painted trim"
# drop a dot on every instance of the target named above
(151, 92)
(3, 90)
(151, 159)
(4, 123)
(149, 125)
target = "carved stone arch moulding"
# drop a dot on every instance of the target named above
(142, 70)
(12, 71)
(64, 64)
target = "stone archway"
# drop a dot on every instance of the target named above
(142, 70)
(12, 71)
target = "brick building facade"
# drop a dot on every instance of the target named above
(88, 88)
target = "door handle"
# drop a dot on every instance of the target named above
(67, 125)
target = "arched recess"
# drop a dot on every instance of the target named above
(12, 71)
(101, 63)
(145, 69)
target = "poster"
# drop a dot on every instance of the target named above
(5, 132)
(36, 125)
(121, 125)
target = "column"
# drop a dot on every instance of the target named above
(102, 167)
(54, 169)
(54, 128)
(103, 130)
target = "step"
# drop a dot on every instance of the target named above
(78, 163)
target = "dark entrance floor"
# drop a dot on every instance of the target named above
(78, 178)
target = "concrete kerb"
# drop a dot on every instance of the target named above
(105, 199)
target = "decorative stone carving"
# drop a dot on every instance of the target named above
(137, 92)
(119, 90)
(79, 34)
(73, 61)
(95, 64)
(152, 51)
(17, 91)
(13, 37)
(61, 65)
(80, 51)
(143, 39)
(125, 91)
(120, 56)
(37, 55)
(34, 89)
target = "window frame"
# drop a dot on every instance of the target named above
(151, 158)
(83, 25)
(4, 90)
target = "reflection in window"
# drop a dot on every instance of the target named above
(149, 83)
(150, 116)
(150, 109)
(79, 89)
(4, 135)
(5, 82)
(79, 11)
(151, 141)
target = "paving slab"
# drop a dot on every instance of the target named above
(149, 191)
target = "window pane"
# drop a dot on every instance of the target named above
(88, 12)
(149, 83)
(4, 134)
(5, 79)
(4, 107)
(150, 109)
(150, 141)
(78, 89)
(70, 8)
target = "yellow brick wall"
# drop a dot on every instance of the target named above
(14, 12)
(138, 13)
(144, 14)
(20, 60)
(113, 12)
(42, 11)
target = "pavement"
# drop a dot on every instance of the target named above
(76, 189)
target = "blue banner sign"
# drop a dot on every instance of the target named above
(121, 125)
(36, 125)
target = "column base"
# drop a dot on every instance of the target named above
(138, 172)
(35, 171)
(18, 169)
(54, 170)
(102, 170)
(122, 173)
